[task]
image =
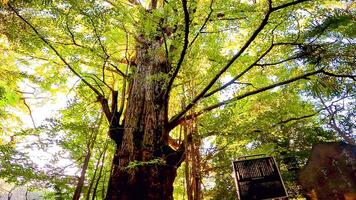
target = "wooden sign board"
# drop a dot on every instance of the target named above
(258, 178)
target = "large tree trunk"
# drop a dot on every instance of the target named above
(144, 166)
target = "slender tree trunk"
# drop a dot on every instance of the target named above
(102, 154)
(187, 166)
(193, 162)
(100, 172)
(81, 180)
(196, 165)
(92, 180)
(144, 166)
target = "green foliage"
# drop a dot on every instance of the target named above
(263, 125)
(135, 164)
(99, 40)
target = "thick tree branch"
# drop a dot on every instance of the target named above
(185, 47)
(239, 75)
(55, 51)
(217, 76)
(117, 70)
(174, 122)
(103, 101)
(303, 76)
(234, 58)
(296, 118)
(288, 4)
(115, 115)
(353, 77)
(278, 62)
(114, 96)
(105, 107)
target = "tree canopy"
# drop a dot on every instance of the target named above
(150, 84)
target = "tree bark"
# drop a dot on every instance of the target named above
(92, 180)
(187, 164)
(100, 172)
(81, 180)
(90, 145)
(196, 165)
(101, 157)
(193, 162)
(144, 166)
